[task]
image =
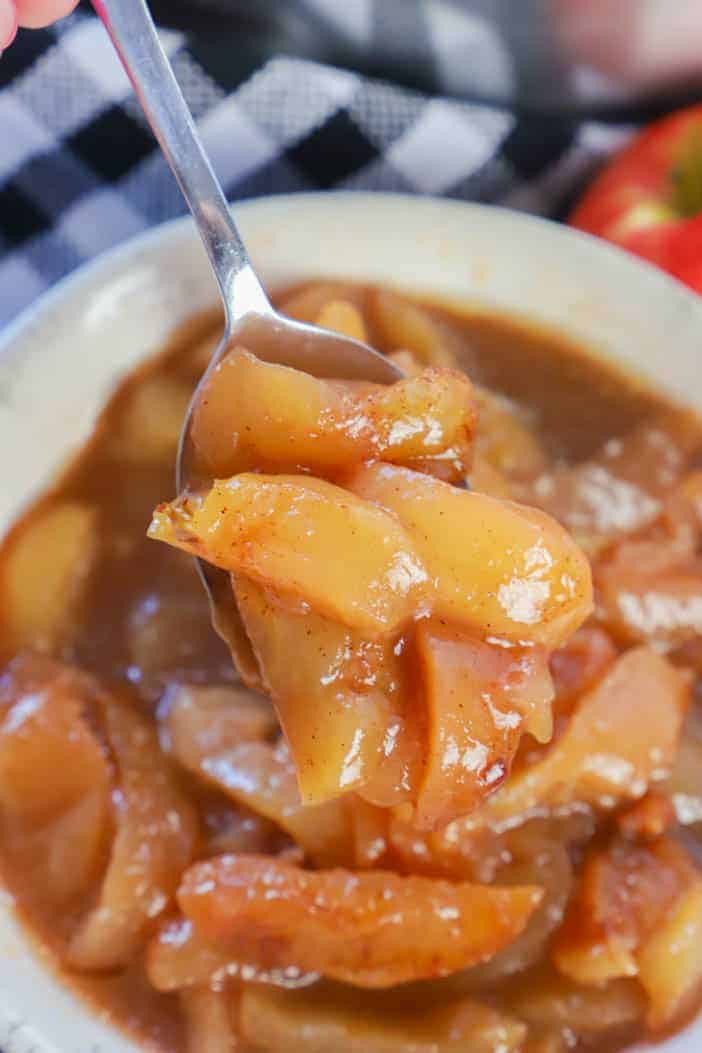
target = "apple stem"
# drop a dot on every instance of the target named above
(686, 175)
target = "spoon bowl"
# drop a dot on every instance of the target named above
(275, 338)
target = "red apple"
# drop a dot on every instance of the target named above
(649, 197)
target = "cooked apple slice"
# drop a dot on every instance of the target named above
(547, 1042)
(670, 962)
(209, 1020)
(532, 857)
(256, 414)
(648, 818)
(684, 785)
(343, 700)
(154, 841)
(179, 958)
(579, 664)
(342, 316)
(484, 479)
(262, 777)
(621, 739)
(405, 326)
(369, 831)
(627, 890)
(546, 1000)
(198, 721)
(479, 698)
(46, 572)
(306, 302)
(499, 568)
(55, 776)
(320, 1022)
(406, 361)
(74, 847)
(50, 757)
(371, 929)
(287, 532)
(423, 416)
(149, 427)
(504, 440)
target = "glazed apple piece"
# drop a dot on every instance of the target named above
(426, 422)
(74, 847)
(579, 664)
(638, 913)
(370, 929)
(438, 853)
(626, 893)
(484, 479)
(231, 827)
(405, 361)
(318, 1022)
(684, 784)
(622, 738)
(369, 832)
(343, 701)
(504, 440)
(498, 568)
(404, 326)
(648, 818)
(156, 832)
(343, 316)
(286, 532)
(532, 858)
(197, 721)
(546, 1000)
(209, 1020)
(224, 736)
(45, 575)
(262, 777)
(149, 427)
(63, 818)
(548, 1042)
(255, 414)
(178, 959)
(686, 511)
(670, 962)
(307, 302)
(479, 700)
(44, 727)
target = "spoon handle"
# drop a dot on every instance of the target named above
(133, 34)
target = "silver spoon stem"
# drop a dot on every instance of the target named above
(136, 41)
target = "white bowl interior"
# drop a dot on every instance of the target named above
(60, 362)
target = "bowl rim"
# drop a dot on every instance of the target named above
(100, 266)
(91, 1034)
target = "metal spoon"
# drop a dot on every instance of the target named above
(249, 317)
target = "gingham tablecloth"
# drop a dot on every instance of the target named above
(79, 171)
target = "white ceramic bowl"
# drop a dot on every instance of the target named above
(61, 360)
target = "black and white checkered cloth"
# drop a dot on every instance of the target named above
(79, 170)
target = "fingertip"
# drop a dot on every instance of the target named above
(35, 14)
(8, 23)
